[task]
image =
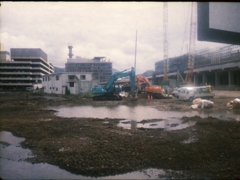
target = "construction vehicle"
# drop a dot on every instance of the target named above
(108, 91)
(144, 86)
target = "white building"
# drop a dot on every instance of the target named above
(60, 83)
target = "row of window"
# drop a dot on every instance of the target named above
(72, 77)
(89, 65)
(71, 84)
(53, 88)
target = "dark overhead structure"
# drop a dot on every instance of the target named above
(218, 22)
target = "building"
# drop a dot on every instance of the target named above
(25, 68)
(218, 67)
(100, 67)
(75, 83)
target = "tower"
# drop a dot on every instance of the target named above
(70, 54)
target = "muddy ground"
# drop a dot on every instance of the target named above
(89, 147)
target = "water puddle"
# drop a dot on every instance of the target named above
(167, 120)
(170, 124)
(13, 166)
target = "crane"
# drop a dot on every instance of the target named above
(191, 48)
(192, 39)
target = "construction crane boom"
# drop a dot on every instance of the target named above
(192, 39)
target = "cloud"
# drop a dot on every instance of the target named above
(96, 29)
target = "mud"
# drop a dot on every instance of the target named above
(91, 147)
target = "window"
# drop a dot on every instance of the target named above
(56, 89)
(83, 77)
(57, 78)
(71, 77)
(71, 84)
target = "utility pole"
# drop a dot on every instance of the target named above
(165, 41)
(135, 52)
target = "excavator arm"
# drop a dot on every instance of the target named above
(149, 88)
(107, 92)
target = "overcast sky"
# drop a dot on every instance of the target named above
(98, 29)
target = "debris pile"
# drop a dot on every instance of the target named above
(235, 104)
(202, 103)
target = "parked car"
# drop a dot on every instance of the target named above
(176, 92)
(191, 93)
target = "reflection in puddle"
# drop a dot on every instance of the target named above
(172, 124)
(13, 166)
(136, 113)
(167, 120)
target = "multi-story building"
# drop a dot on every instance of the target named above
(25, 68)
(100, 67)
(75, 83)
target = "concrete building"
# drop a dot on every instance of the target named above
(60, 83)
(219, 67)
(25, 68)
(100, 67)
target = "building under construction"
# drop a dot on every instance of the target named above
(100, 67)
(219, 68)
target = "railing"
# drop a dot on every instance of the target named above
(224, 55)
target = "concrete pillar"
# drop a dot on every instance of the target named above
(230, 78)
(216, 79)
(195, 79)
(204, 78)
(238, 78)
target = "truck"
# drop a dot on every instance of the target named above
(108, 91)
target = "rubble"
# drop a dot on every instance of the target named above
(234, 104)
(202, 103)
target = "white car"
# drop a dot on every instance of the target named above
(176, 92)
(191, 93)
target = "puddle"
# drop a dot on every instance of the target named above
(170, 124)
(168, 120)
(136, 113)
(13, 166)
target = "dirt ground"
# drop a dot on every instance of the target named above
(89, 147)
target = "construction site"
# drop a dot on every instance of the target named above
(134, 128)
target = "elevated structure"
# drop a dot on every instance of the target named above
(25, 68)
(218, 67)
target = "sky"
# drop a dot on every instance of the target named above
(121, 31)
